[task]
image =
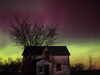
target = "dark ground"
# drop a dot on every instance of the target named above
(86, 72)
(71, 74)
(10, 73)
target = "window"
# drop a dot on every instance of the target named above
(41, 69)
(46, 54)
(58, 67)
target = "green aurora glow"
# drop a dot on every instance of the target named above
(80, 51)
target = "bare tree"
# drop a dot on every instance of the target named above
(77, 67)
(25, 33)
(1, 63)
(90, 62)
(92, 66)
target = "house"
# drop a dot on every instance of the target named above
(50, 60)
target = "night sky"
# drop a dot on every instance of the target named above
(79, 26)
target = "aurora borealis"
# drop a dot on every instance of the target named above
(79, 26)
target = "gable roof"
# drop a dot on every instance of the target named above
(55, 50)
(33, 50)
(58, 50)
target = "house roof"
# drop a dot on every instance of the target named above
(55, 50)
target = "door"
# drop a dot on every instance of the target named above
(46, 69)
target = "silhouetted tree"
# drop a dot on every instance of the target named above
(77, 67)
(25, 33)
(72, 68)
(19, 64)
(11, 65)
(90, 62)
(94, 66)
(91, 65)
(1, 65)
(5, 67)
(9, 60)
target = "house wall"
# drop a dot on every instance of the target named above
(63, 60)
(60, 59)
(64, 70)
